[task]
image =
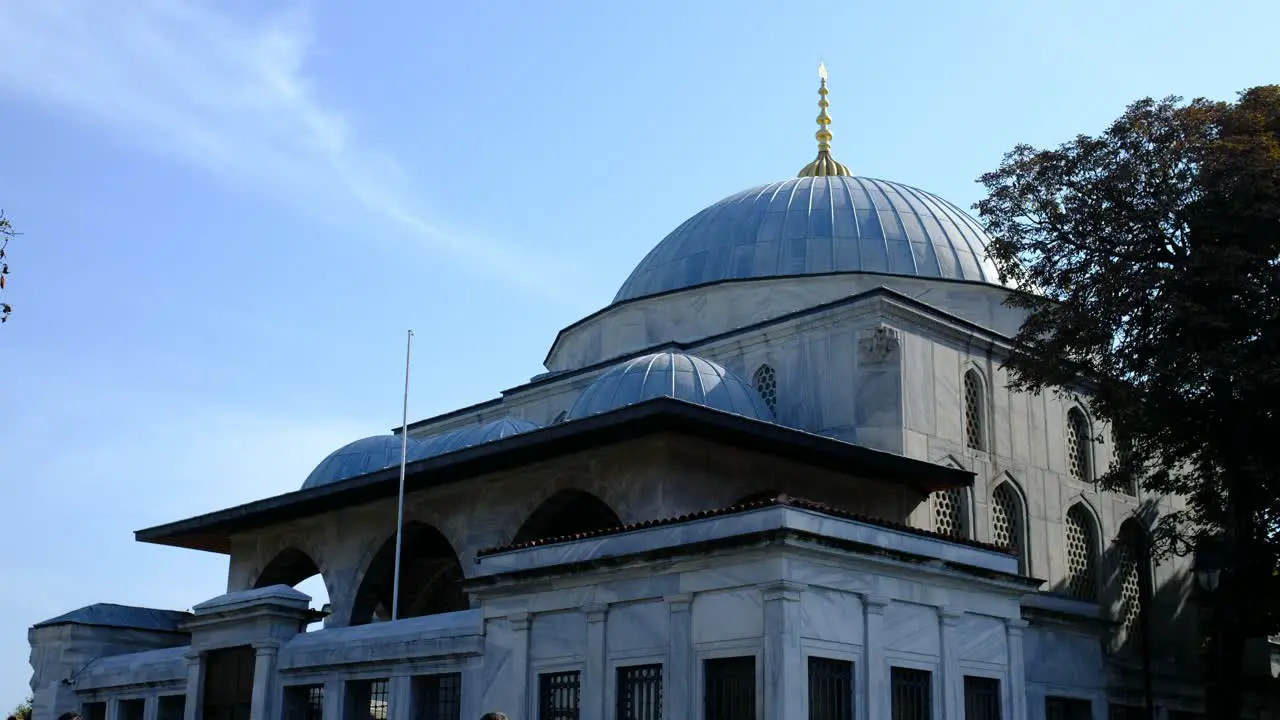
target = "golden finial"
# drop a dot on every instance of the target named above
(824, 164)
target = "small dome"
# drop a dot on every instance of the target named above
(674, 375)
(360, 457)
(447, 442)
(814, 226)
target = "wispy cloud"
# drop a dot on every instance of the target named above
(230, 94)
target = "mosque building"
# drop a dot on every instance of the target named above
(779, 476)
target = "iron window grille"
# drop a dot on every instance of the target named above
(304, 702)
(912, 692)
(640, 692)
(559, 695)
(981, 698)
(171, 707)
(1062, 708)
(368, 699)
(437, 697)
(830, 689)
(729, 688)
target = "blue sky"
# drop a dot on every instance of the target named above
(232, 211)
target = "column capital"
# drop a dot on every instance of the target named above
(520, 621)
(595, 611)
(192, 656)
(266, 647)
(680, 602)
(1016, 626)
(950, 616)
(875, 604)
(784, 590)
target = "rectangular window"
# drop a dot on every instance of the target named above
(228, 683)
(729, 688)
(1125, 712)
(95, 711)
(304, 702)
(912, 692)
(172, 707)
(830, 689)
(368, 699)
(1062, 708)
(132, 709)
(640, 692)
(559, 695)
(981, 698)
(437, 697)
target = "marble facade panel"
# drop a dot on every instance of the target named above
(558, 634)
(831, 616)
(912, 629)
(982, 639)
(727, 615)
(639, 626)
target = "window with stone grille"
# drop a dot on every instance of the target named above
(1007, 528)
(1124, 452)
(1129, 568)
(766, 382)
(911, 693)
(1082, 554)
(974, 435)
(1079, 446)
(559, 695)
(639, 692)
(950, 514)
(304, 702)
(437, 697)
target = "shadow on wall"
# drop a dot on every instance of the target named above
(1120, 576)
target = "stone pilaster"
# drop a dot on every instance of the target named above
(195, 685)
(1017, 669)
(400, 698)
(952, 676)
(594, 672)
(151, 709)
(876, 672)
(266, 655)
(679, 681)
(520, 660)
(784, 696)
(335, 700)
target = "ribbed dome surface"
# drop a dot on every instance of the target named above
(670, 374)
(466, 437)
(817, 225)
(360, 457)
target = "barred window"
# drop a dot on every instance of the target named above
(437, 697)
(830, 689)
(981, 698)
(729, 688)
(94, 711)
(912, 693)
(974, 436)
(1082, 554)
(172, 707)
(1007, 527)
(559, 695)
(132, 709)
(640, 692)
(766, 382)
(1079, 446)
(1062, 708)
(304, 702)
(368, 699)
(950, 513)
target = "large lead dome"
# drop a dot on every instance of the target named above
(825, 221)
(817, 225)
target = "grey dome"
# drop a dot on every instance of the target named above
(817, 225)
(466, 437)
(670, 374)
(360, 457)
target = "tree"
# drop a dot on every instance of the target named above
(1149, 263)
(6, 232)
(23, 710)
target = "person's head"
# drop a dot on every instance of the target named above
(12, 717)
(69, 715)
(494, 716)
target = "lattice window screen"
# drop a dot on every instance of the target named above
(1079, 445)
(973, 426)
(1082, 555)
(1127, 570)
(1006, 520)
(766, 382)
(949, 513)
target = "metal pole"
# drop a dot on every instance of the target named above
(404, 452)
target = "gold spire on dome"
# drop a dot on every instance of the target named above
(824, 164)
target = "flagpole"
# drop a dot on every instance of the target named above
(404, 452)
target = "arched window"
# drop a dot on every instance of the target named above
(430, 578)
(1124, 456)
(1008, 528)
(1079, 446)
(766, 382)
(1130, 564)
(295, 568)
(974, 412)
(1082, 554)
(567, 512)
(950, 514)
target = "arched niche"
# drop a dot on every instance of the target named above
(430, 578)
(295, 568)
(568, 512)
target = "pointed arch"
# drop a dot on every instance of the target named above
(1079, 439)
(289, 567)
(1009, 520)
(1131, 582)
(567, 512)
(975, 410)
(430, 578)
(765, 381)
(1080, 536)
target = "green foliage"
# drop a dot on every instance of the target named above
(1150, 260)
(6, 232)
(23, 710)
